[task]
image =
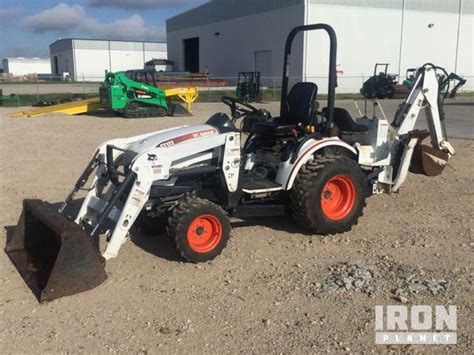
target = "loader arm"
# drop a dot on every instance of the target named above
(155, 164)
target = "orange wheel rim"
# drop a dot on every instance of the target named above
(338, 197)
(204, 233)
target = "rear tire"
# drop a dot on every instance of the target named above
(199, 228)
(328, 195)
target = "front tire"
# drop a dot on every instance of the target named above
(328, 195)
(199, 228)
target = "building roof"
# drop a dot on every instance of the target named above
(25, 59)
(102, 40)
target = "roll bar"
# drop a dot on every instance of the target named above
(332, 66)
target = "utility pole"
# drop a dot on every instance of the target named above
(459, 34)
(401, 39)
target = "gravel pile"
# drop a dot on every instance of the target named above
(403, 281)
(351, 277)
(413, 282)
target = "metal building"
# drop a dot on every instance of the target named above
(224, 37)
(87, 59)
(26, 66)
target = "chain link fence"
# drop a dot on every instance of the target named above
(55, 89)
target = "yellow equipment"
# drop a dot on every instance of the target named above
(188, 95)
(69, 108)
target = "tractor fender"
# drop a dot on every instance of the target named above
(288, 171)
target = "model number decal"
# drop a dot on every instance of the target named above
(186, 137)
(166, 144)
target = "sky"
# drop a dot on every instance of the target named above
(28, 27)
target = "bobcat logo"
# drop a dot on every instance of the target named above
(152, 157)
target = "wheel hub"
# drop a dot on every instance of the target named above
(204, 233)
(338, 197)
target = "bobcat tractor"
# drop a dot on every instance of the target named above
(319, 166)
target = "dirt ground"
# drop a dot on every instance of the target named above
(274, 289)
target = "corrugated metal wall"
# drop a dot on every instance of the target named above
(221, 10)
(61, 45)
(418, 5)
(118, 45)
(387, 4)
(86, 59)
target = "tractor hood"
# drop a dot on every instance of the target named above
(170, 138)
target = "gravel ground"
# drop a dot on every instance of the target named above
(274, 288)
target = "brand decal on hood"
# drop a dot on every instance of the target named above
(186, 137)
(152, 157)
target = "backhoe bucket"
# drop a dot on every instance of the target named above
(427, 160)
(54, 255)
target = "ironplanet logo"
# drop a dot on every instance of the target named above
(420, 324)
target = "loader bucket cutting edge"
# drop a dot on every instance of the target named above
(54, 255)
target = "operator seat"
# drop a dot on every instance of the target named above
(299, 108)
(349, 131)
(344, 121)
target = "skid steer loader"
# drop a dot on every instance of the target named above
(139, 99)
(318, 166)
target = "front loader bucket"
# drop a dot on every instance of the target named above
(54, 255)
(427, 160)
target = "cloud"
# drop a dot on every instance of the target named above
(9, 12)
(66, 19)
(8, 15)
(137, 4)
(61, 18)
(132, 27)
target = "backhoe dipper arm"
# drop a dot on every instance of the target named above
(424, 94)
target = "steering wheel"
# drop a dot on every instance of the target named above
(238, 108)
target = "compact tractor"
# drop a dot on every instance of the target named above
(319, 166)
(382, 85)
(444, 81)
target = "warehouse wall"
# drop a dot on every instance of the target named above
(465, 57)
(88, 59)
(430, 36)
(155, 51)
(233, 49)
(365, 36)
(25, 66)
(91, 59)
(62, 53)
(405, 34)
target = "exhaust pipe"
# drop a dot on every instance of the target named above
(54, 255)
